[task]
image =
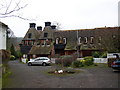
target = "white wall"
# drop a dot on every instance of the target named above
(100, 60)
(2, 36)
(119, 13)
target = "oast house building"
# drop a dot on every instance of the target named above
(50, 42)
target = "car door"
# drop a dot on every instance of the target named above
(41, 60)
(37, 61)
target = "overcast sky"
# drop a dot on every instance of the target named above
(71, 14)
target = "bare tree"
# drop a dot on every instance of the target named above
(10, 8)
(58, 25)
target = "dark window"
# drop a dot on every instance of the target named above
(99, 39)
(29, 35)
(91, 40)
(45, 34)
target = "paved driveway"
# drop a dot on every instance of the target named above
(34, 77)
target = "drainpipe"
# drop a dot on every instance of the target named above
(78, 54)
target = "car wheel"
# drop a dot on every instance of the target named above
(44, 64)
(29, 64)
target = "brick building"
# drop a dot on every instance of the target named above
(49, 41)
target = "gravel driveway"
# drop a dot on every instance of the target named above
(34, 77)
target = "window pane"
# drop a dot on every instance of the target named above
(45, 34)
(29, 35)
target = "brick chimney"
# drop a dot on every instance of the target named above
(47, 24)
(32, 25)
(39, 28)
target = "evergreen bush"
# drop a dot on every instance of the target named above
(76, 63)
(12, 57)
(88, 61)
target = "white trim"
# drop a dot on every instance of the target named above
(86, 39)
(91, 39)
(65, 41)
(79, 40)
(57, 40)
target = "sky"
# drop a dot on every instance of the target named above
(71, 14)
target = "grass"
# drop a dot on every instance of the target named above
(98, 65)
(63, 74)
(0, 82)
(1, 65)
(5, 78)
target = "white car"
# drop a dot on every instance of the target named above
(40, 60)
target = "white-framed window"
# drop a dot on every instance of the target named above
(64, 40)
(57, 40)
(79, 40)
(91, 40)
(86, 39)
(43, 44)
(47, 43)
(32, 42)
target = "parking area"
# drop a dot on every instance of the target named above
(24, 76)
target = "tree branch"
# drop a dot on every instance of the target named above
(8, 11)
(18, 17)
(8, 6)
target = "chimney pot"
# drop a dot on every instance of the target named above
(39, 28)
(47, 24)
(32, 25)
(53, 26)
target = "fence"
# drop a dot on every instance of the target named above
(97, 60)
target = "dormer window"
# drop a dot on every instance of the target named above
(45, 34)
(64, 40)
(29, 35)
(99, 40)
(86, 39)
(79, 40)
(91, 40)
(57, 40)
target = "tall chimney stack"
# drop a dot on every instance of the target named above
(32, 25)
(47, 24)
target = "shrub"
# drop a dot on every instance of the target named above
(26, 60)
(89, 58)
(99, 54)
(96, 54)
(58, 61)
(88, 61)
(12, 57)
(56, 56)
(66, 60)
(76, 63)
(104, 55)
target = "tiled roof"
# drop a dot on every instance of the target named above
(48, 30)
(41, 50)
(71, 37)
(35, 34)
